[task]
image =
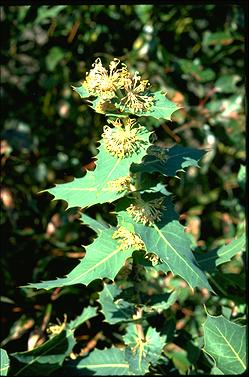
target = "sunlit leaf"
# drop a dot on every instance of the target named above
(242, 176)
(141, 353)
(227, 83)
(225, 342)
(45, 359)
(103, 259)
(82, 91)
(162, 107)
(115, 310)
(93, 188)
(210, 260)
(87, 314)
(218, 38)
(93, 224)
(4, 364)
(168, 240)
(107, 362)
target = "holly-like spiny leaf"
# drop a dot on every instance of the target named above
(212, 259)
(87, 314)
(45, 359)
(115, 310)
(141, 353)
(103, 259)
(173, 159)
(161, 108)
(106, 362)
(94, 187)
(82, 91)
(93, 224)
(225, 342)
(170, 243)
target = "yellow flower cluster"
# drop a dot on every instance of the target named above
(147, 212)
(101, 83)
(129, 89)
(128, 239)
(120, 184)
(124, 139)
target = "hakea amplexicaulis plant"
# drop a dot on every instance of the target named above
(148, 238)
(127, 158)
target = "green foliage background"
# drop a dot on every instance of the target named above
(196, 54)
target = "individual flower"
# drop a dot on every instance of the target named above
(127, 239)
(99, 82)
(124, 139)
(136, 98)
(148, 212)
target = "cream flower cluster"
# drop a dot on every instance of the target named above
(127, 239)
(146, 212)
(129, 90)
(124, 139)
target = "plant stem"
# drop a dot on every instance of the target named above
(139, 310)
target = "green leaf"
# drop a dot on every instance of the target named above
(195, 70)
(183, 358)
(210, 260)
(53, 58)
(93, 188)
(219, 38)
(93, 224)
(140, 354)
(176, 159)
(227, 83)
(44, 12)
(4, 364)
(115, 310)
(45, 359)
(242, 176)
(216, 371)
(207, 261)
(48, 357)
(107, 362)
(179, 358)
(162, 301)
(225, 342)
(87, 313)
(226, 252)
(82, 91)
(168, 240)
(103, 259)
(162, 107)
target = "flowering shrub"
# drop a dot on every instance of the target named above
(147, 235)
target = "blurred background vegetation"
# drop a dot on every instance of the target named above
(193, 52)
